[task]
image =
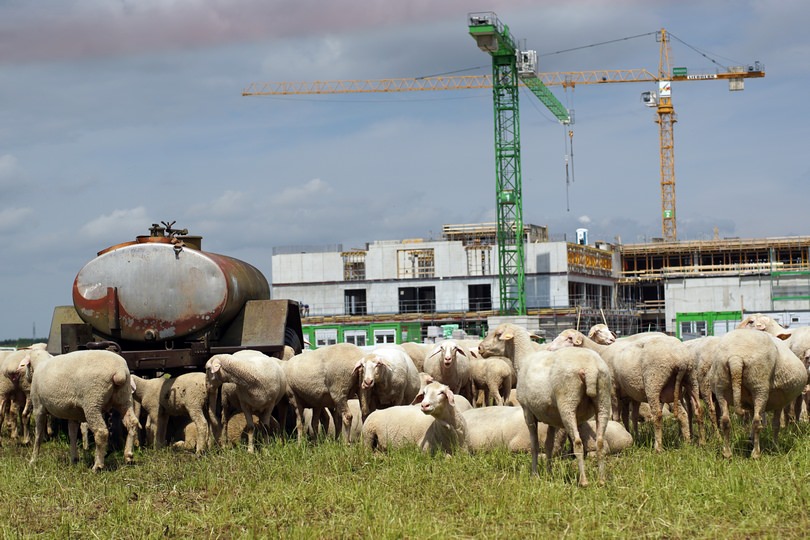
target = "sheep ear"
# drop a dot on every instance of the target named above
(132, 383)
(612, 333)
(418, 399)
(451, 398)
(358, 367)
(215, 366)
(578, 339)
(436, 350)
(25, 362)
(473, 353)
(460, 350)
(506, 336)
(385, 363)
(783, 336)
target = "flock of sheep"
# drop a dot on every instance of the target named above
(505, 391)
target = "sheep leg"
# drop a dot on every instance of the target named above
(85, 436)
(344, 415)
(131, 424)
(775, 426)
(40, 421)
(531, 423)
(25, 416)
(198, 418)
(550, 435)
(101, 436)
(214, 396)
(571, 427)
(250, 427)
(634, 416)
(657, 418)
(5, 407)
(756, 427)
(160, 425)
(494, 395)
(299, 420)
(73, 435)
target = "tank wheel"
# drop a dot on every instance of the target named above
(291, 339)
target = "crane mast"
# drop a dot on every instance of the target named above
(509, 67)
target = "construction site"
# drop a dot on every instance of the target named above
(477, 274)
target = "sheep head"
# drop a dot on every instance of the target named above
(434, 397)
(567, 338)
(371, 369)
(601, 334)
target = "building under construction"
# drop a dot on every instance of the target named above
(417, 289)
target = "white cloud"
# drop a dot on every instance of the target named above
(119, 224)
(585, 220)
(304, 194)
(229, 204)
(14, 218)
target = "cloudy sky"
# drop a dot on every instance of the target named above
(118, 114)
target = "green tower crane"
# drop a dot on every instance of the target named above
(509, 65)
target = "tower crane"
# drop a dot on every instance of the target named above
(511, 68)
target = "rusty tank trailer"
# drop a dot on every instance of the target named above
(169, 306)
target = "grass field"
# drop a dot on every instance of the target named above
(330, 490)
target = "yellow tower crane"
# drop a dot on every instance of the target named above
(661, 101)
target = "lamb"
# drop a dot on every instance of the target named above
(655, 370)
(388, 377)
(81, 386)
(757, 371)
(561, 388)
(325, 378)
(491, 377)
(449, 363)
(435, 425)
(260, 384)
(489, 428)
(185, 395)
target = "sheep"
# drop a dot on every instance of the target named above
(260, 384)
(325, 377)
(418, 352)
(14, 392)
(757, 371)
(449, 363)
(388, 377)
(703, 350)
(561, 388)
(81, 386)
(184, 395)
(797, 339)
(492, 377)
(655, 370)
(434, 425)
(489, 428)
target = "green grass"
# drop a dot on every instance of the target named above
(329, 490)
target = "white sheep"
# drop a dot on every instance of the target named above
(490, 428)
(654, 369)
(324, 378)
(757, 371)
(418, 352)
(562, 388)
(260, 384)
(449, 363)
(14, 391)
(492, 379)
(81, 386)
(184, 395)
(434, 425)
(387, 377)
